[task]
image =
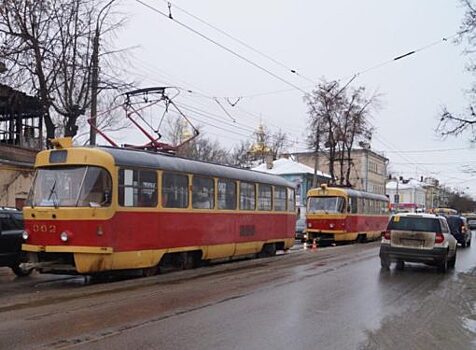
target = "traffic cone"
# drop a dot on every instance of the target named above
(314, 245)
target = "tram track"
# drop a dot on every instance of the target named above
(41, 297)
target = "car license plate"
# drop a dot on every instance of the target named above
(416, 243)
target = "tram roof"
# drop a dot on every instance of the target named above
(147, 159)
(349, 192)
(355, 193)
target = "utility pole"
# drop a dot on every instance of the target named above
(316, 159)
(95, 75)
(94, 87)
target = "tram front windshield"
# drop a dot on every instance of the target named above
(330, 204)
(74, 186)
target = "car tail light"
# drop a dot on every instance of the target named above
(386, 234)
(439, 238)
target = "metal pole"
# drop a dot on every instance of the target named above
(94, 88)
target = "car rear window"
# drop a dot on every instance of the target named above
(407, 223)
(455, 223)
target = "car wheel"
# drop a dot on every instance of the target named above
(464, 245)
(400, 265)
(443, 265)
(385, 263)
(21, 270)
(469, 241)
(452, 261)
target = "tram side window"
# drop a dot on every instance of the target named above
(361, 205)
(353, 205)
(226, 194)
(279, 198)
(291, 200)
(247, 196)
(203, 192)
(137, 188)
(371, 206)
(264, 197)
(174, 190)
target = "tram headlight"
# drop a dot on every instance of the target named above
(25, 235)
(64, 236)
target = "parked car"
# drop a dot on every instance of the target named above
(421, 238)
(471, 221)
(301, 229)
(460, 230)
(11, 230)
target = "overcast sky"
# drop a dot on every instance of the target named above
(319, 39)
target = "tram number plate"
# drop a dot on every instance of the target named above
(247, 230)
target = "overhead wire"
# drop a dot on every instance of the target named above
(294, 86)
(250, 128)
(433, 150)
(241, 42)
(234, 53)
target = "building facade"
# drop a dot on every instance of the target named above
(407, 195)
(21, 122)
(299, 174)
(368, 170)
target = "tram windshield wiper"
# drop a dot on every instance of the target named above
(53, 192)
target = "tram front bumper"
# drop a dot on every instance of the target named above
(320, 237)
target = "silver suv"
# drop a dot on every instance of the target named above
(423, 238)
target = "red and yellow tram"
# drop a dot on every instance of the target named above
(101, 209)
(343, 214)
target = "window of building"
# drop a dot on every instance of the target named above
(137, 188)
(247, 196)
(174, 190)
(265, 197)
(373, 167)
(226, 194)
(279, 198)
(291, 200)
(203, 192)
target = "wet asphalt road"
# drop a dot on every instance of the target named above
(332, 298)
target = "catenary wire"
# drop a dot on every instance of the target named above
(234, 53)
(248, 46)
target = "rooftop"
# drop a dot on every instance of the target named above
(285, 166)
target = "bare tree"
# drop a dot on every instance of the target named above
(279, 141)
(200, 148)
(450, 123)
(240, 155)
(338, 119)
(50, 48)
(206, 150)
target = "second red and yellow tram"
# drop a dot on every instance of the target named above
(342, 214)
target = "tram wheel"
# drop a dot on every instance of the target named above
(150, 271)
(20, 270)
(269, 249)
(362, 238)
